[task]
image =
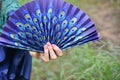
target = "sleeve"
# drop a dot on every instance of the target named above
(2, 55)
(16, 64)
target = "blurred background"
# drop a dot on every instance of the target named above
(94, 61)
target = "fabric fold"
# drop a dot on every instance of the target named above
(2, 55)
(16, 65)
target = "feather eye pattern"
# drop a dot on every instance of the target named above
(41, 21)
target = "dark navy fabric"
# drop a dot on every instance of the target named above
(15, 64)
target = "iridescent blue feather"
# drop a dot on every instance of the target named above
(41, 21)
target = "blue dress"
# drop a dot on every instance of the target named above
(15, 64)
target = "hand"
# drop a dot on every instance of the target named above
(51, 52)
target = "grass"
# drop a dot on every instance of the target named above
(23, 2)
(81, 63)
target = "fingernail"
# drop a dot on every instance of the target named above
(53, 45)
(48, 44)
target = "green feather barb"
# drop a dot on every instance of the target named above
(5, 8)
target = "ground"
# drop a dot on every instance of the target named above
(106, 17)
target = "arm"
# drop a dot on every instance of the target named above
(51, 52)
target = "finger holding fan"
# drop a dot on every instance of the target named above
(42, 21)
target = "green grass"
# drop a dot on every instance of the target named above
(22, 2)
(81, 63)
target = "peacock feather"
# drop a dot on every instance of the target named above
(41, 21)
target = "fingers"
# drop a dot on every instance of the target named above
(51, 52)
(57, 50)
(53, 56)
(34, 54)
(45, 56)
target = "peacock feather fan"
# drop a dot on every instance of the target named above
(42, 21)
